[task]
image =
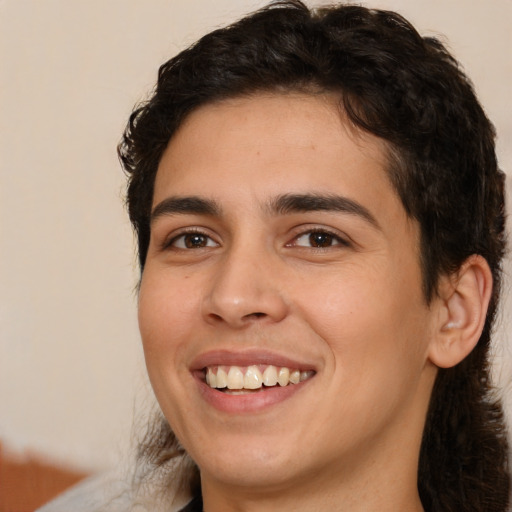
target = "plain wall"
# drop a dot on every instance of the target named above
(71, 368)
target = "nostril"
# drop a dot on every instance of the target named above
(243, 320)
(215, 316)
(255, 315)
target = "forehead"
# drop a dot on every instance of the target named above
(284, 136)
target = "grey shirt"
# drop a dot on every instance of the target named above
(112, 492)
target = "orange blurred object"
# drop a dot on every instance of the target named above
(28, 481)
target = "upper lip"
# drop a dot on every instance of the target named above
(247, 357)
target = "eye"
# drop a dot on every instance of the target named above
(318, 240)
(192, 241)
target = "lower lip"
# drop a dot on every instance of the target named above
(250, 402)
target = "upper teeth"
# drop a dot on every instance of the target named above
(252, 377)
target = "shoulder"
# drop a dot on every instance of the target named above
(113, 493)
(105, 492)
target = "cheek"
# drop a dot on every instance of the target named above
(165, 303)
(165, 312)
(164, 321)
(373, 336)
(370, 320)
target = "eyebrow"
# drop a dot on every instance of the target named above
(285, 204)
(300, 203)
(185, 205)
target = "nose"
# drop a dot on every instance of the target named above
(244, 290)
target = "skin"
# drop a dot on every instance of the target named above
(247, 278)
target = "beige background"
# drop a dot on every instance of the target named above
(71, 369)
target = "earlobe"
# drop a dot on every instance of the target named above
(462, 308)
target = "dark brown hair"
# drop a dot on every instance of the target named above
(410, 92)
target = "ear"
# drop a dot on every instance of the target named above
(462, 302)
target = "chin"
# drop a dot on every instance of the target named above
(252, 472)
(244, 462)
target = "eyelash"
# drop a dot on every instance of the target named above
(171, 243)
(331, 237)
(334, 237)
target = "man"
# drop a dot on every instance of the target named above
(320, 223)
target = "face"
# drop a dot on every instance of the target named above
(283, 269)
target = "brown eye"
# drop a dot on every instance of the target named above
(318, 240)
(193, 241)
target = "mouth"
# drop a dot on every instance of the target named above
(255, 378)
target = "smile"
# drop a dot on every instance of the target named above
(254, 377)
